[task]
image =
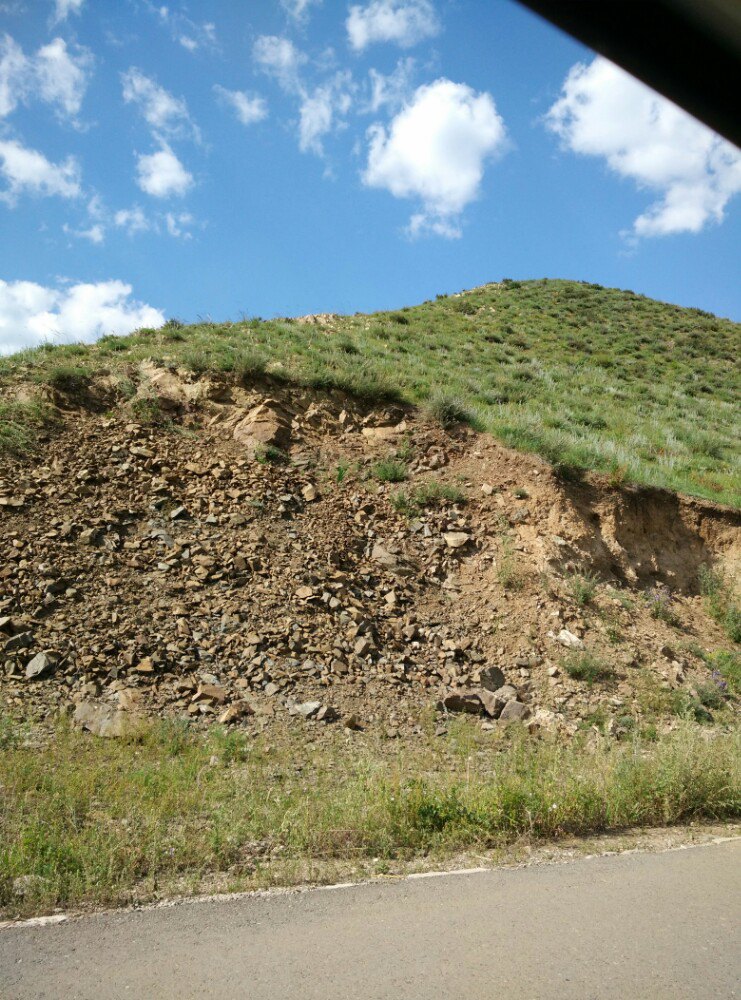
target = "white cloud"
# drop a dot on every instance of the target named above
(95, 233)
(279, 57)
(32, 314)
(62, 78)
(133, 220)
(298, 9)
(605, 112)
(177, 224)
(165, 114)
(28, 171)
(320, 110)
(14, 75)
(190, 34)
(247, 109)
(404, 22)
(435, 150)
(392, 89)
(55, 74)
(161, 174)
(63, 8)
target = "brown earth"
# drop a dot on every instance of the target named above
(186, 568)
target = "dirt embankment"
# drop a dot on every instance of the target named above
(216, 551)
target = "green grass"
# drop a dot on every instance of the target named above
(721, 600)
(390, 470)
(587, 667)
(430, 494)
(110, 822)
(588, 377)
(583, 587)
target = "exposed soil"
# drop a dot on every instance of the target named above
(186, 568)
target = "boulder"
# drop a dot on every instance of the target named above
(101, 720)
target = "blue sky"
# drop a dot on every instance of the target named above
(281, 157)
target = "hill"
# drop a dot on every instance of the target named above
(587, 377)
(324, 629)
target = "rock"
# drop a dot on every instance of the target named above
(41, 664)
(382, 555)
(101, 720)
(308, 708)
(145, 666)
(326, 714)
(310, 493)
(210, 692)
(20, 641)
(463, 701)
(362, 647)
(514, 711)
(567, 638)
(494, 701)
(304, 593)
(265, 425)
(237, 710)
(491, 678)
(456, 539)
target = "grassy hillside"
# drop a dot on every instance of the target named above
(588, 377)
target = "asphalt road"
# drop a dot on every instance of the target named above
(646, 926)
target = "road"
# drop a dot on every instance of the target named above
(646, 926)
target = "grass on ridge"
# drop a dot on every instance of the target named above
(587, 377)
(108, 822)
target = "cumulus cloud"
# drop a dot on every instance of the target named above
(55, 74)
(602, 111)
(404, 22)
(279, 58)
(162, 175)
(32, 314)
(434, 150)
(28, 171)
(247, 109)
(165, 114)
(321, 110)
(63, 8)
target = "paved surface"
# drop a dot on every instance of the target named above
(646, 926)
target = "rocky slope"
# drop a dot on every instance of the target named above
(219, 550)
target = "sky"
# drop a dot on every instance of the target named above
(232, 158)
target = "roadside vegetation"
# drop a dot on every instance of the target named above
(88, 822)
(588, 377)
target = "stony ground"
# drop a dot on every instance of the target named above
(242, 554)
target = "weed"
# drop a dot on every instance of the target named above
(69, 379)
(720, 601)
(583, 587)
(429, 494)
(726, 667)
(105, 822)
(270, 455)
(146, 410)
(449, 410)
(509, 574)
(521, 493)
(390, 471)
(341, 472)
(661, 605)
(587, 667)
